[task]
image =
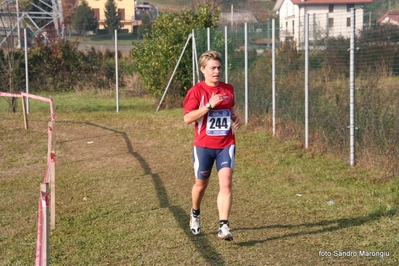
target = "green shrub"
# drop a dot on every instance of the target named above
(156, 57)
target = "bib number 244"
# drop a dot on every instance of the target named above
(219, 122)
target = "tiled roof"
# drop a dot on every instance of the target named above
(394, 15)
(328, 2)
(278, 4)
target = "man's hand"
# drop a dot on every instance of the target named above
(236, 121)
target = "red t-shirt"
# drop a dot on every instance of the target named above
(213, 130)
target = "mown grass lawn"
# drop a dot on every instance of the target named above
(124, 184)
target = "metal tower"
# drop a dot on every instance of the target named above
(13, 18)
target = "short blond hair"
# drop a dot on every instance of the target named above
(208, 55)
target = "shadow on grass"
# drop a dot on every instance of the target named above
(202, 244)
(328, 226)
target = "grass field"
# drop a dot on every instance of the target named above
(124, 184)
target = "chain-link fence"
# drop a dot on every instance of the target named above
(307, 83)
(323, 80)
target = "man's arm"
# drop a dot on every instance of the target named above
(195, 115)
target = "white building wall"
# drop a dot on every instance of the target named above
(292, 21)
(287, 20)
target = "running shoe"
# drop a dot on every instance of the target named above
(195, 224)
(224, 233)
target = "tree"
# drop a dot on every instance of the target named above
(145, 25)
(112, 17)
(11, 62)
(84, 19)
(156, 57)
(68, 8)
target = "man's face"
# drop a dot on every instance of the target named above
(212, 72)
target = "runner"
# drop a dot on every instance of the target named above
(210, 104)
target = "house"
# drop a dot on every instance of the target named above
(129, 10)
(145, 8)
(327, 18)
(389, 18)
(125, 10)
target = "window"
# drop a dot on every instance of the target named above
(349, 6)
(121, 13)
(330, 8)
(293, 27)
(348, 22)
(96, 12)
(331, 22)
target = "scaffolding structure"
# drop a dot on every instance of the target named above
(15, 16)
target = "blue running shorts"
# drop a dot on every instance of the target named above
(204, 158)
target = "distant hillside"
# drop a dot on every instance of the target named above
(171, 5)
(261, 9)
(380, 7)
(178, 5)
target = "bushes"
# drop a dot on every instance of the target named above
(156, 57)
(377, 100)
(11, 70)
(57, 65)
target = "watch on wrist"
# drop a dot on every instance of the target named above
(209, 106)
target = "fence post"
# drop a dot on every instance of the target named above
(43, 239)
(226, 55)
(352, 89)
(24, 112)
(208, 30)
(26, 70)
(51, 164)
(274, 76)
(246, 72)
(193, 56)
(307, 80)
(116, 72)
(46, 236)
(52, 190)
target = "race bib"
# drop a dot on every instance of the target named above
(218, 123)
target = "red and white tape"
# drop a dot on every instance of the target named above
(36, 97)
(41, 256)
(39, 234)
(7, 94)
(40, 98)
